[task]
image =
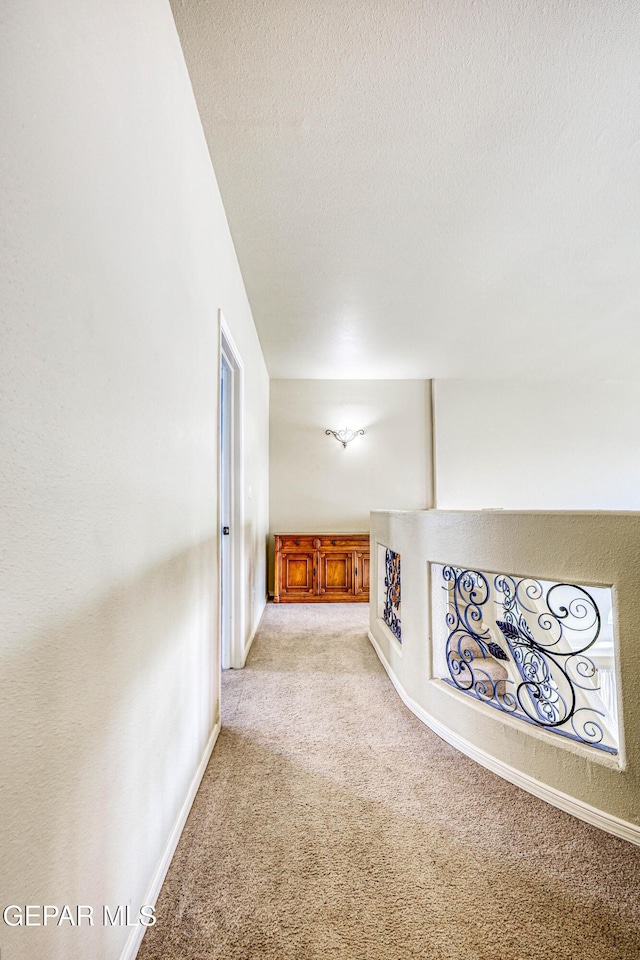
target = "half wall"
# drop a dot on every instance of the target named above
(410, 632)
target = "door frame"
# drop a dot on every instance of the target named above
(234, 656)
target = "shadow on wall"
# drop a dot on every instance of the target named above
(105, 718)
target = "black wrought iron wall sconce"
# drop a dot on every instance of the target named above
(345, 436)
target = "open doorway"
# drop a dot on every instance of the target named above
(231, 520)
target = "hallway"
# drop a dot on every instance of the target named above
(332, 823)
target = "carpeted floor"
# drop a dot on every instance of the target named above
(332, 825)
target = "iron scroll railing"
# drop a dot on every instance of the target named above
(537, 650)
(392, 593)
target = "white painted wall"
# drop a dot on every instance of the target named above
(116, 257)
(548, 445)
(316, 485)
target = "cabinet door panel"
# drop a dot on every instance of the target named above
(362, 575)
(336, 573)
(297, 573)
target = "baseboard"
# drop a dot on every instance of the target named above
(249, 642)
(577, 808)
(137, 933)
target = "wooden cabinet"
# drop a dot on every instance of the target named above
(321, 568)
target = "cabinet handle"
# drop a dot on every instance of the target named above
(297, 543)
(334, 542)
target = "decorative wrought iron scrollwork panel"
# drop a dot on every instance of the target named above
(392, 593)
(534, 649)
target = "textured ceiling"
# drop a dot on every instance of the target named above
(445, 188)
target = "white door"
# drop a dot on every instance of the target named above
(226, 503)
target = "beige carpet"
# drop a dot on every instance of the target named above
(332, 825)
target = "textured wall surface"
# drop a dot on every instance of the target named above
(116, 257)
(537, 445)
(429, 189)
(316, 485)
(580, 548)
